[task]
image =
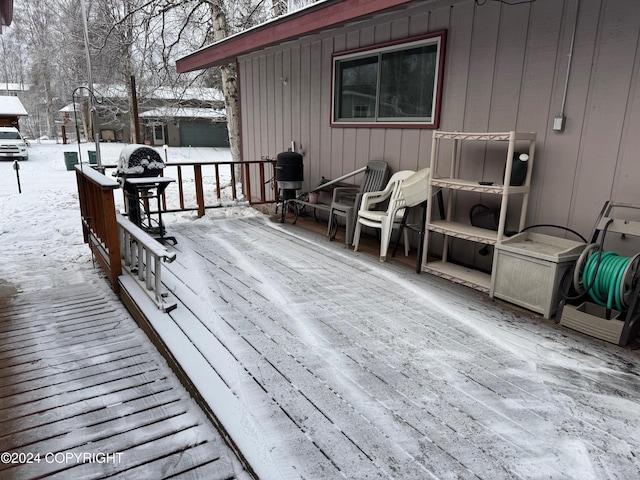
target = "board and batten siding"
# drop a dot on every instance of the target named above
(505, 69)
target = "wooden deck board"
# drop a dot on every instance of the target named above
(199, 463)
(109, 370)
(42, 338)
(70, 346)
(22, 372)
(69, 420)
(78, 375)
(246, 389)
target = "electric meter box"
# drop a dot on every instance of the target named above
(528, 268)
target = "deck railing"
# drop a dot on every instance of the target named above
(199, 187)
(143, 256)
(98, 214)
(114, 240)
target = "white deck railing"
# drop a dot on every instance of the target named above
(143, 256)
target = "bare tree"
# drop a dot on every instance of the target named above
(133, 38)
(12, 51)
(38, 28)
(183, 26)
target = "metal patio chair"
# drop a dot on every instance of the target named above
(346, 200)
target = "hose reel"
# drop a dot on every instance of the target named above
(609, 281)
(607, 277)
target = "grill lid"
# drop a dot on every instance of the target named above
(139, 161)
(289, 168)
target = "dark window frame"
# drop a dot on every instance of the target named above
(360, 56)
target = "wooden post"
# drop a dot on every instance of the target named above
(263, 191)
(247, 182)
(233, 182)
(218, 192)
(199, 189)
(112, 239)
(134, 110)
(180, 192)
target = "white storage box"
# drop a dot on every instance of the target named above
(528, 268)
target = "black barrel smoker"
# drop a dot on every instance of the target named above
(289, 176)
(139, 173)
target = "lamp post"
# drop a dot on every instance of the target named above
(96, 133)
(94, 100)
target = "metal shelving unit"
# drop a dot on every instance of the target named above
(449, 228)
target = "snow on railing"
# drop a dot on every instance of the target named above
(143, 256)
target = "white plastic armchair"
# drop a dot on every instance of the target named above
(387, 219)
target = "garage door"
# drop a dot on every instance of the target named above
(203, 134)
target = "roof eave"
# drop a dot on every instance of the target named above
(6, 13)
(311, 20)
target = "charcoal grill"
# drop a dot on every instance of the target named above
(139, 173)
(289, 176)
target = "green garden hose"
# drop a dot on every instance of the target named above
(608, 279)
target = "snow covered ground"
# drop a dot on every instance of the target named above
(44, 219)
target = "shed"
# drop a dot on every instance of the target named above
(186, 126)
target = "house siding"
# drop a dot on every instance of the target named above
(505, 69)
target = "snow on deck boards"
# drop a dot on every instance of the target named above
(77, 376)
(367, 370)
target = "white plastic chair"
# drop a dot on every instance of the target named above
(386, 219)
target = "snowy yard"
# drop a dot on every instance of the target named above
(44, 220)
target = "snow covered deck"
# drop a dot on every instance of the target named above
(83, 394)
(323, 363)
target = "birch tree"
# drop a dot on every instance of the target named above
(229, 83)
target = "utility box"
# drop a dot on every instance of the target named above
(528, 268)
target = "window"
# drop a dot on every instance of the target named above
(397, 83)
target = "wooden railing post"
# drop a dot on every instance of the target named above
(199, 189)
(247, 182)
(263, 188)
(180, 192)
(218, 190)
(234, 194)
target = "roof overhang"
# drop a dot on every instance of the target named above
(6, 13)
(312, 19)
(185, 112)
(12, 106)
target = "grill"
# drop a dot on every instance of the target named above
(139, 169)
(139, 161)
(289, 175)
